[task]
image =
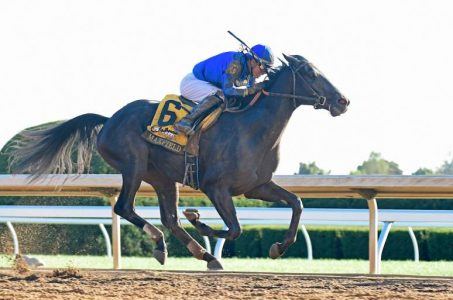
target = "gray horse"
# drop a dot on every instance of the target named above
(237, 156)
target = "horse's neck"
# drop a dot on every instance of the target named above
(274, 113)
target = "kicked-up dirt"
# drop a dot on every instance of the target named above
(136, 284)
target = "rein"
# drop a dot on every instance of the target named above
(316, 100)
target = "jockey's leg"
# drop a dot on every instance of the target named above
(200, 111)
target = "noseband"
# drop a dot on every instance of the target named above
(316, 100)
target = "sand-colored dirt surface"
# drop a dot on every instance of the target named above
(94, 284)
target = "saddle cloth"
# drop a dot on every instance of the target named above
(171, 109)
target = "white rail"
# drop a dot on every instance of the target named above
(366, 187)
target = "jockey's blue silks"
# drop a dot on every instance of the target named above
(227, 71)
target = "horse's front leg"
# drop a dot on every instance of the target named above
(193, 216)
(223, 202)
(273, 193)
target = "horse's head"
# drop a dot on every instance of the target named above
(308, 79)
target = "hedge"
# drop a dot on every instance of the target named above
(328, 242)
(336, 242)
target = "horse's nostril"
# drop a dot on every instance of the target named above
(343, 101)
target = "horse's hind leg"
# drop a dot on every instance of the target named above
(168, 203)
(271, 192)
(125, 208)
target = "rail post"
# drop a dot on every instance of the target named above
(14, 236)
(373, 252)
(116, 235)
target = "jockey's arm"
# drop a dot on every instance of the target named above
(228, 82)
(230, 90)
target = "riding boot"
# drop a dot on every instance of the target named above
(186, 124)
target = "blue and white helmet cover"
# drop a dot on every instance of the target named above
(264, 53)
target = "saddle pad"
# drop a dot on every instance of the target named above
(171, 109)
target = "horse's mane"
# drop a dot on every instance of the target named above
(274, 74)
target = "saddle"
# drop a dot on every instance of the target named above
(162, 132)
(171, 109)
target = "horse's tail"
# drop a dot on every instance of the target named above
(51, 150)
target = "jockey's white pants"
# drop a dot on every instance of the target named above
(195, 89)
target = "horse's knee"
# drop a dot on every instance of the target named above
(234, 233)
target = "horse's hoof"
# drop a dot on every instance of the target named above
(215, 265)
(161, 256)
(191, 214)
(274, 251)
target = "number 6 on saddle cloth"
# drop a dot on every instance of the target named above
(171, 109)
(162, 132)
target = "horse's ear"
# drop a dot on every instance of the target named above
(291, 59)
(282, 61)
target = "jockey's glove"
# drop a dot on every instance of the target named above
(256, 87)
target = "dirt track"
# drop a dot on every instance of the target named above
(90, 284)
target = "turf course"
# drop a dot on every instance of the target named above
(286, 265)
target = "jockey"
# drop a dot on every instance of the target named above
(230, 73)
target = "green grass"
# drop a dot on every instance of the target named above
(287, 265)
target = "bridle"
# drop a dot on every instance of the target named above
(316, 100)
